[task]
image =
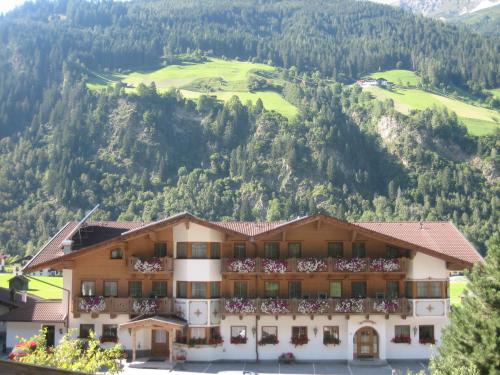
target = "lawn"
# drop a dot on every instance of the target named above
(217, 77)
(36, 287)
(457, 286)
(398, 77)
(479, 120)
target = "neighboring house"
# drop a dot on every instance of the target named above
(374, 82)
(316, 286)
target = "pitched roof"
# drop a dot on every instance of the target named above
(436, 238)
(5, 298)
(38, 311)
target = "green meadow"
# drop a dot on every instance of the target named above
(38, 288)
(479, 120)
(216, 77)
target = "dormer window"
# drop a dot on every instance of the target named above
(117, 253)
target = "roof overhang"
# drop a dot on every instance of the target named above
(167, 322)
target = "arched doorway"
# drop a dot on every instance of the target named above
(366, 343)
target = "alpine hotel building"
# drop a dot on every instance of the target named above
(316, 286)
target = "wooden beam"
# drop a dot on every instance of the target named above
(152, 236)
(354, 235)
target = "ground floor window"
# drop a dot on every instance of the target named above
(331, 335)
(85, 330)
(426, 335)
(215, 337)
(109, 333)
(238, 334)
(299, 336)
(269, 335)
(402, 335)
(198, 336)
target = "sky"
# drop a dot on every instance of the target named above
(6, 5)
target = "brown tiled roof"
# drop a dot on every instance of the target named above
(440, 236)
(249, 228)
(39, 311)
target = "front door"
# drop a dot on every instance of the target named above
(159, 343)
(50, 336)
(366, 343)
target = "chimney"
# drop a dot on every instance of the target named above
(66, 246)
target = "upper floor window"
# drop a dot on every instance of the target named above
(110, 289)
(159, 289)
(271, 250)
(392, 289)
(215, 250)
(135, 289)
(271, 289)
(198, 290)
(358, 250)
(160, 249)
(240, 289)
(215, 289)
(358, 289)
(199, 250)
(182, 250)
(294, 249)
(116, 253)
(429, 289)
(182, 289)
(294, 289)
(88, 288)
(240, 250)
(336, 289)
(336, 249)
(392, 252)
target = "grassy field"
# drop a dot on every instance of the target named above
(457, 286)
(495, 92)
(217, 77)
(406, 97)
(37, 288)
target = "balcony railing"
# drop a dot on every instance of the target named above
(118, 305)
(276, 306)
(313, 265)
(150, 265)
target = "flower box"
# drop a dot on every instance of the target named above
(275, 306)
(299, 341)
(311, 265)
(387, 306)
(242, 265)
(194, 342)
(148, 265)
(92, 304)
(352, 305)
(240, 306)
(330, 340)
(286, 358)
(181, 340)
(269, 340)
(217, 340)
(236, 340)
(274, 265)
(385, 265)
(401, 340)
(427, 341)
(146, 306)
(313, 306)
(350, 265)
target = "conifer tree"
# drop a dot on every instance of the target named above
(471, 343)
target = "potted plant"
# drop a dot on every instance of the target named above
(286, 358)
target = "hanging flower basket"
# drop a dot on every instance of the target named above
(352, 305)
(350, 265)
(401, 340)
(385, 265)
(240, 306)
(146, 306)
(92, 304)
(269, 340)
(313, 306)
(387, 306)
(274, 265)
(148, 265)
(311, 265)
(274, 306)
(242, 265)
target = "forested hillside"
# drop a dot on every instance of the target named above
(143, 155)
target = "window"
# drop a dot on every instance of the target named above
(392, 289)
(358, 289)
(336, 289)
(110, 330)
(409, 289)
(240, 250)
(116, 253)
(160, 249)
(198, 290)
(215, 289)
(215, 334)
(435, 289)
(198, 333)
(299, 333)
(88, 288)
(426, 334)
(271, 250)
(358, 250)
(239, 332)
(159, 288)
(330, 335)
(429, 289)
(182, 250)
(401, 331)
(182, 289)
(392, 252)
(240, 289)
(110, 289)
(294, 289)
(336, 249)
(199, 250)
(135, 289)
(294, 250)
(85, 330)
(271, 289)
(215, 250)
(269, 332)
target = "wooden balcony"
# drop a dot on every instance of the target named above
(314, 265)
(150, 265)
(346, 306)
(126, 305)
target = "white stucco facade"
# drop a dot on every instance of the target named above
(16, 330)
